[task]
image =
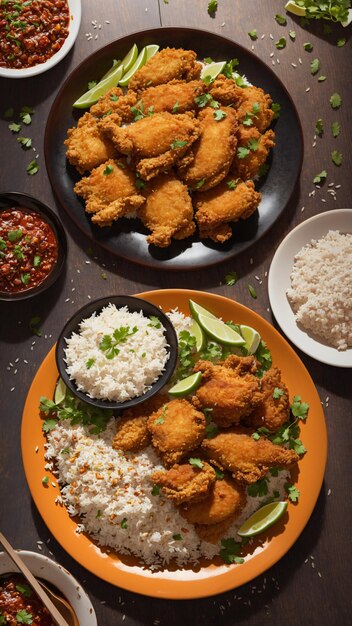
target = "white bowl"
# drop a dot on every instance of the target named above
(42, 567)
(75, 20)
(279, 281)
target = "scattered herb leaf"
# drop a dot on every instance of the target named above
(178, 144)
(315, 66)
(277, 393)
(280, 19)
(281, 43)
(32, 168)
(308, 47)
(319, 127)
(336, 157)
(253, 34)
(108, 170)
(195, 462)
(335, 100)
(230, 550)
(320, 177)
(90, 363)
(15, 128)
(231, 279)
(292, 491)
(252, 291)
(335, 129)
(124, 523)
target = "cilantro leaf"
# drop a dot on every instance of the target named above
(232, 184)
(281, 43)
(320, 177)
(341, 42)
(156, 490)
(175, 107)
(203, 100)
(212, 6)
(15, 235)
(120, 335)
(33, 323)
(336, 157)
(45, 480)
(154, 321)
(230, 550)
(242, 152)
(335, 100)
(90, 363)
(263, 355)
(258, 489)
(92, 84)
(200, 183)
(292, 34)
(15, 128)
(292, 491)
(308, 47)
(49, 425)
(177, 537)
(195, 462)
(298, 408)
(108, 170)
(276, 107)
(24, 590)
(186, 354)
(315, 66)
(253, 144)
(231, 279)
(277, 393)
(321, 79)
(219, 475)
(124, 523)
(335, 129)
(319, 127)
(280, 19)
(252, 291)
(253, 34)
(219, 115)
(32, 168)
(25, 142)
(178, 144)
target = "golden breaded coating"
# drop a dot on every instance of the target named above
(168, 210)
(274, 410)
(174, 97)
(116, 101)
(167, 65)
(228, 202)
(226, 499)
(157, 141)
(225, 91)
(214, 151)
(215, 532)
(110, 192)
(87, 146)
(254, 96)
(176, 429)
(246, 458)
(131, 429)
(230, 389)
(185, 483)
(258, 146)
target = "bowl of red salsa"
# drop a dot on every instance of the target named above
(36, 34)
(33, 246)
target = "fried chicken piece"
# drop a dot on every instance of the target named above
(175, 97)
(225, 500)
(213, 533)
(185, 483)
(259, 146)
(256, 96)
(87, 146)
(110, 192)
(131, 429)
(272, 412)
(228, 202)
(176, 429)
(225, 91)
(214, 151)
(116, 101)
(230, 389)
(247, 459)
(167, 65)
(168, 210)
(157, 141)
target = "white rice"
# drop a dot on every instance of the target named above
(321, 288)
(141, 359)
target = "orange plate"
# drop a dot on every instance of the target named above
(207, 579)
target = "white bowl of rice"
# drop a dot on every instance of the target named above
(116, 352)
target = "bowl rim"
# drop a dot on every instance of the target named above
(134, 304)
(75, 7)
(59, 576)
(17, 198)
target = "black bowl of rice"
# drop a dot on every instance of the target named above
(117, 352)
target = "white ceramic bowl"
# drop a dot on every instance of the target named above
(279, 281)
(75, 20)
(42, 567)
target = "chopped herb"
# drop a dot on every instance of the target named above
(292, 491)
(138, 111)
(186, 350)
(281, 43)
(175, 107)
(90, 363)
(320, 177)
(178, 144)
(219, 475)
(207, 60)
(212, 6)
(122, 165)
(321, 79)
(211, 430)
(120, 335)
(25, 278)
(9, 113)
(263, 355)
(242, 152)
(15, 128)
(77, 412)
(155, 322)
(17, 250)
(37, 260)
(232, 184)
(140, 184)
(319, 127)
(199, 184)
(22, 617)
(24, 590)
(177, 537)
(98, 514)
(276, 107)
(248, 120)
(124, 523)
(15, 235)
(292, 34)
(299, 409)
(229, 68)
(263, 170)
(32, 168)
(25, 142)
(195, 462)
(161, 419)
(253, 144)
(26, 118)
(280, 19)
(219, 115)
(315, 66)
(335, 129)
(114, 98)
(108, 170)
(258, 489)
(277, 393)
(335, 100)
(104, 275)
(33, 323)
(231, 279)
(341, 42)
(45, 480)
(49, 425)
(3, 244)
(253, 34)
(230, 550)
(252, 291)
(91, 84)
(202, 101)
(65, 451)
(308, 47)
(336, 157)
(255, 436)
(156, 490)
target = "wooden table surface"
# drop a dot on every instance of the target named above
(311, 583)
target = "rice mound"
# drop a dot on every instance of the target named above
(321, 288)
(141, 360)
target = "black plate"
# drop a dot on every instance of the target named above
(133, 304)
(16, 199)
(127, 238)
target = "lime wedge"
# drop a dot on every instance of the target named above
(151, 50)
(114, 64)
(212, 70)
(186, 386)
(252, 338)
(60, 391)
(294, 8)
(219, 331)
(196, 310)
(197, 332)
(130, 58)
(262, 519)
(140, 61)
(93, 95)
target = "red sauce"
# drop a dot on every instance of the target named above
(20, 605)
(28, 250)
(31, 31)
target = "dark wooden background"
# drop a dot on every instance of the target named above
(311, 584)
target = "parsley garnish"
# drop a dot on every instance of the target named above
(276, 107)
(335, 129)
(212, 6)
(161, 418)
(37, 260)
(114, 98)
(242, 152)
(341, 42)
(280, 19)
(292, 491)
(231, 279)
(89, 363)
(124, 523)
(299, 409)
(32, 168)
(91, 84)
(232, 184)
(178, 144)
(24, 590)
(258, 489)
(22, 617)
(76, 411)
(336, 11)
(138, 111)
(308, 47)
(230, 550)
(219, 115)
(120, 335)
(108, 170)
(15, 128)
(335, 100)
(229, 68)
(25, 142)
(186, 350)
(320, 177)
(253, 34)
(25, 278)
(17, 250)
(253, 144)
(277, 393)
(281, 43)
(98, 514)
(292, 34)
(195, 462)
(155, 322)
(202, 101)
(14, 235)
(336, 157)
(321, 79)
(263, 355)
(315, 66)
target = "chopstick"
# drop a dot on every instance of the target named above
(56, 616)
